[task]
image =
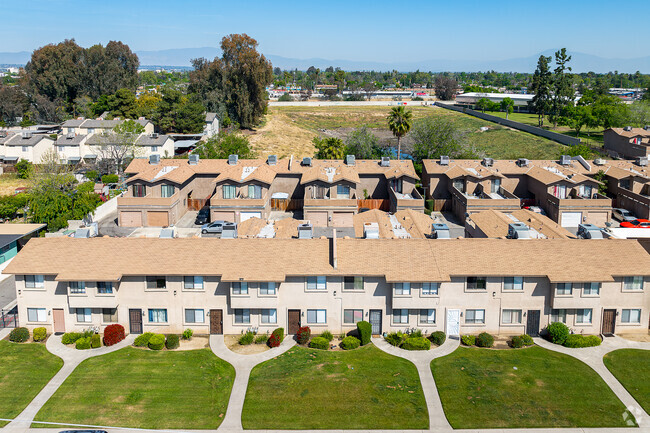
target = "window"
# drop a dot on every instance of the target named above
(167, 190)
(158, 315)
(154, 148)
(513, 283)
(353, 283)
(77, 287)
(583, 315)
(72, 130)
(319, 192)
(585, 191)
(624, 183)
(269, 315)
(495, 185)
(476, 283)
(242, 315)
(591, 289)
(194, 315)
(316, 316)
(254, 191)
(267, 288)
(558, 315)
(631, 316)
(342, 191)
(430, 288)
(316, 283)
(104, 287)
(240, 288)
(36, 315)
(156, 283)
(428, 316)
(90, 130)
(193, 283)
(400, 316)
(475, 316)
(61, 148)
(24, 149)
(403, 289)
(559, 191)
(139, 191)
(459, 184)
(396, 184)
(511, 317)
(84, 315)
(564, 289)
(229, 191)
(352, 316)
(109, 315)
(34, 281)
(633, 283)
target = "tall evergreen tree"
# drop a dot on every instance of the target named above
(563, 93)
(541, 86)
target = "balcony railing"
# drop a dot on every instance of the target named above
(596, 201)
(413, 200)
(330, 202)
(128, 200)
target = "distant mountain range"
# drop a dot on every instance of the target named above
(580, 62)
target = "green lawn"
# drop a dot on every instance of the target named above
(315, 389)
(632, 368)
(24, 370)
(145, 389)
(480, 388)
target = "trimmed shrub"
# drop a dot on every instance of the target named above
(557, 332)
(327, 335)
(364, 330)
(527, 339)
(416, 343)
(350, 343)
(88, 333)
(484, 340)
(142, 340)
(276, 337)
(39, 334)
(303, 335)
(19, 335)
(187, 334)
(173, 341)
(395, 338)
(516, 342)
(95, 341)
(416, 333)
(83, 343)
(71, 337)
(468, 340)
(157, 342)
(437, 338)
(110, 178)
(113, 334)
(261, 339)
(246, 338)
(92, 175)
(578, 340)
(319, 343)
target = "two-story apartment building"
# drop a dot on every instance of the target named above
(627, 142)
(26, 145)
(232, 285)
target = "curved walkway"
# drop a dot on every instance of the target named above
(243, 365)
(71, 359)
(422, 360)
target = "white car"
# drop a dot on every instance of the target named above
(622, 215)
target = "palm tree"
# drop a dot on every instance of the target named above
(399, 123)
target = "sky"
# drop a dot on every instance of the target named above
(352, 30)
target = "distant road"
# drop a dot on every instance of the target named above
(348, 103)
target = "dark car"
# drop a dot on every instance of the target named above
(83, 431)
(202, 217)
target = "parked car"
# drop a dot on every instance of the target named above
(536, 209)
(213, 227)
(637, 223)
(622, 215)
(83, 431)
(203, 217)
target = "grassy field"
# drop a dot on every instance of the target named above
(9, 182)
(524, 388)
(315, 389)
(145, 389)
(631, 368)
(24, 370)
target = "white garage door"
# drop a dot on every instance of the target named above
(130, 219)
(317, 219)
(343, 219)
(571, 219)
(247, 215)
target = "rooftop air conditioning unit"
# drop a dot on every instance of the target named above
(440, 231)
(69, 135)
(642, 161)
(27, 134)
(371, 230)
(627, 128)
(232, 159)
(3, 134)
(599, 161)
(488, 162)
(385, 161)
(229, 231)
(167, 233)
(154, 135)
(523, 162)
(518, 231)
(154, 159)
(565, 160)
(444, 160)
(589, 231)
(305, 231)
(647, 127)
(272, 160)
(306, 161)
(349, 160)
(193, 159)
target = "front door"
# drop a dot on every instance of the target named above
(375, 321)
(453, 323)
(532, 324)
(609, 322)
(294, 322)
(135, 321)
(216, 321)
(59, 320)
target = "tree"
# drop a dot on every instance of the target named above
(11, 204)
(445, 88)
(436, 136)
(610, 112)
(121, 143)
(483, 104)
(147, 103)
(329, 148)
(399, 123)
(541, 87)
(639, 114)
(24, 169)
(563, 93)
(363, 144)
(83, 107)
(576, 117)
(175, 112)
(223, 145)
(507, 105)
(578, 150)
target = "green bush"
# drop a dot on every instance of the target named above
(39, 334)
(157, 342)
(276, 337)
(364, 331)
(83, 343)
(350, 342)
(95, 341)
(437, 338)
(416, 333)
(285, 97)
(319, 343)
(484, 340)
(110, 178)
(143, 339)
(261, 339)
(187, 334)
(578, 340)
(468, 340)
(24, 169)
(416, 343)
(91, 175)
(19, 335)
(527, 340)
(246, 338)
(173, 341)
(71, 337)
(327, 335)
(88, 333)
(557, 332)
(395, 338)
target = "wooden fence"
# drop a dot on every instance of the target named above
(286, 204)
(196, 203)
(372, 203)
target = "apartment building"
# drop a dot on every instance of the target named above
(627, 142)
(502, 286)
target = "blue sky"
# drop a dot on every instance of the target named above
(360, 30)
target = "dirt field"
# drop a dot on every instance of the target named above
(9, 183)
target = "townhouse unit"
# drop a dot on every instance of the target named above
(627, 142)
(83, 126)
(26, 145)
(233, 285)
(520, 224)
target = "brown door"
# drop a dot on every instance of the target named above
(59, 320)
(294, 322)
(216, 321)
(135, 321)
(609, 322)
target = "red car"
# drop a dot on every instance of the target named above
(637, 223)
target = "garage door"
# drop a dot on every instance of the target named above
(130, 219)
(343, 219)
(597, 218)
(223, 216)
(157, 219)
(317, 219)
(247, 215)
(571, 219)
